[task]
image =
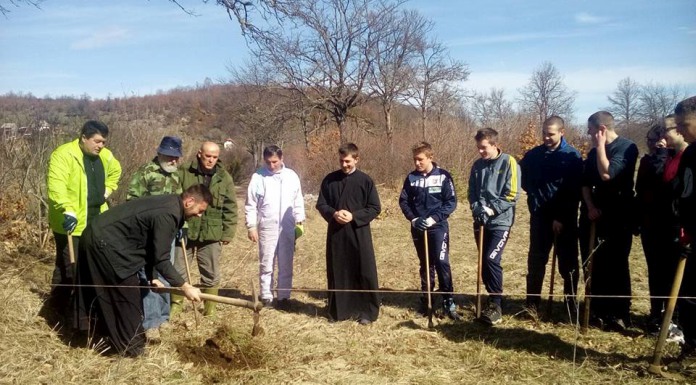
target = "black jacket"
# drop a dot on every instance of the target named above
(137, 234)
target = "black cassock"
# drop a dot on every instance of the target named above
(350, 256)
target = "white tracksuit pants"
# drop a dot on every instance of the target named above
(276, 244)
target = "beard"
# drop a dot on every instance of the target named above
(169, 168)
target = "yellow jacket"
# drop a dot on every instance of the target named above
(67, 184)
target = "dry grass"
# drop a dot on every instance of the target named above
(302, 347)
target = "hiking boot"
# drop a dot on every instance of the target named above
(450, 309)
(492, 314)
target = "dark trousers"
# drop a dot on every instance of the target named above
(687, 307)
(610, 270)
(62, 279)
(438, 253)
(494, 242)
(115, 311)
(661, 254)
(541, 239)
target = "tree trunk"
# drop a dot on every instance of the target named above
(388, 127)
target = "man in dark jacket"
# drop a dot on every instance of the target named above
(207, 234)
(116, 245)
(607, 192)
(685, 117)
(551, 175)
(427, 199)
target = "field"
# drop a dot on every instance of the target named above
(301, 347)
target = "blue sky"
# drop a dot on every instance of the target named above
(137, 47)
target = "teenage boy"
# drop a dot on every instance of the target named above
(494, 186)
(427, 199)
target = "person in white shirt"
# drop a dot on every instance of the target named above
(274, 218)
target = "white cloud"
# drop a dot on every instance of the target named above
(586, 18)
(102, 38)
(513, 38)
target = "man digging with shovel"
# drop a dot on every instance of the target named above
(115, 246)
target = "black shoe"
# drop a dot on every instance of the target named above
(597, 322)
(492, 314)
(423, 308)
(615, 325)
(450, 310)
(283, 304)
(364, 321)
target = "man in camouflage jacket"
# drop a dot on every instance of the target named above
(157, 177)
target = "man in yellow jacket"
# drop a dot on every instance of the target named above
(81, 175)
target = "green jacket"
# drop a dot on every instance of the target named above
(219, 221)
(150, 179)
(67, 184)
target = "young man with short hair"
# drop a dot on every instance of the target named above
(116, 246)
(494, 186)
(685, 119)
(607, 191)
(551, 175)
(274, 218)
(427, 199)
(348, 201)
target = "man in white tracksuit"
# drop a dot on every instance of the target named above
(274, 218)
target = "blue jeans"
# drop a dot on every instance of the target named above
(155, 305)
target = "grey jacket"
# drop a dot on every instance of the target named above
(495, 183)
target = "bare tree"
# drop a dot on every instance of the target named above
(323, 50)
(263, 112)
(547, 95)
(434, 69)
(657, 100)
(625, 102)
(491, 109)
(393, 64)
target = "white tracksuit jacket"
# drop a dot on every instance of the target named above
(273, 206)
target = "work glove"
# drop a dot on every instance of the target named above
(182, 234)
(481, 215)
(421, 224)
(489, 211)
(299, 230)
(69, 223)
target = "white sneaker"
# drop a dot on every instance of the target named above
(675, 334)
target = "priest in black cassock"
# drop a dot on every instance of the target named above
(348, 201)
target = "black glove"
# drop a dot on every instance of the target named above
(421, 224)
(182, 234)
(481, 219)
(69, 223)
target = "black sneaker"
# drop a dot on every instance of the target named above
(616, 325)
(283, 304)
(423, 308)
(267, 302)
(492, 314)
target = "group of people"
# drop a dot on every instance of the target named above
(189, 211)
(124, 251)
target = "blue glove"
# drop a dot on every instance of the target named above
(182, 234)
(69, 223)
(421, 224)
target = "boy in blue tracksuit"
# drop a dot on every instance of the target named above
(551, 175)
(427, 199)
(494, 186)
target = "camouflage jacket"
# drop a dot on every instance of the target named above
(150, 179)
